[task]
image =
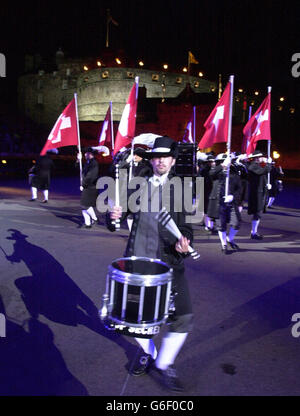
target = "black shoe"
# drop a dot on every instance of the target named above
(170, 379)
(224, 249)
(256, 236)
(32, 199)
(233, 245)
(93, 221)
(45, 201)
(88, 226)
(142, 365)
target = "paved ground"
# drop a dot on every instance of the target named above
(53, 276)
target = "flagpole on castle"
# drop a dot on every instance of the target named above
(269, 141)
(132, 145)
(78, 133)
(231, 80)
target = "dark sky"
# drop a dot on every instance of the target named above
(253, 40)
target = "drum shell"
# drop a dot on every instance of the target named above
(139, 303)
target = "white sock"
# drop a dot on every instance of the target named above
(170, 347)
(46, 194)
(210, 223)
(129, 223)
(33, 192)
(271, 200)
(91, 213)
(222, 235)
(232, 233)
(87, 218)
(241, 208)
(148, 346)
(255, 226)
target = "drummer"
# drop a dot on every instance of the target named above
(150, 239)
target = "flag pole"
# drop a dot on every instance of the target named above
(269, 141)
(112, 126)
(220, 86)
(78, 134)
(194, 127)
(132, 145)
(249, 116)
(231, 80)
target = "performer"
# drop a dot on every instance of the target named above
(205, 162)
(140, 167)
(276, 175)
(40, 175)
(239, 163)
(225, 209)
(90, 174)
(257, 188)
(150, 239)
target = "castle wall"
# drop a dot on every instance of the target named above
(43, 96)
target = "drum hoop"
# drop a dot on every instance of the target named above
(139, 279)
(139, 325)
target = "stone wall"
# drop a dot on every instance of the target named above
(43, 96)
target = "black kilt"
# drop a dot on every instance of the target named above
(41, 181)
(88, 197)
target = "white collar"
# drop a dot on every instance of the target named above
(159, 180)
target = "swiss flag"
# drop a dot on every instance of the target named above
(106, 135)
(64, 132)
(126, 128)
(217, 123)
(259, 125)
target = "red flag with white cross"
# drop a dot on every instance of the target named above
(127, 123)
(216, 124)
(259, 125)
(64, 132)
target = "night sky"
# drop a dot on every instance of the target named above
(253, 40)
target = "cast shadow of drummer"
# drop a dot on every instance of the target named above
(49, 291)
(31, 364)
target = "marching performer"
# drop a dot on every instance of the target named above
(140, 167)
(225, 209)
(257, 189)
(276, 175)
(148, 238)
(40, 175)
(205, 162)
(90, 174)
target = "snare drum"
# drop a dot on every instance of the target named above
(138, 295)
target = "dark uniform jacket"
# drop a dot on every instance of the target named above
(42, 170)
(257, 181)
(218, 177)
(167, 241)
(90, 174)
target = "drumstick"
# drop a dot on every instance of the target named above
(167, 221)
(117, 196)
